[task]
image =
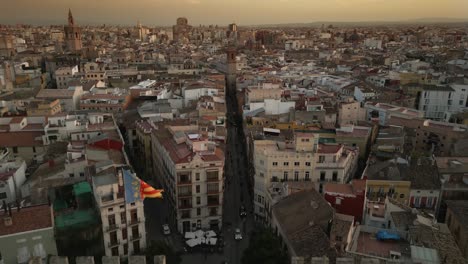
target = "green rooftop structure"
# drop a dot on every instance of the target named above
(81, 188)
(76, 219)
(59, 205)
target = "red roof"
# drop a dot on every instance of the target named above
(21, 139)
(329, 149)
(28, 219)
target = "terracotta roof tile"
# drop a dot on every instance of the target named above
(28, 219)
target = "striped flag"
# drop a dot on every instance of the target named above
(147, 191)
(136, 189)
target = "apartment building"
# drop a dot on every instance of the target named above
(115, 101)
(27, 233)
(12, 176)
(123, 222)
(44, 108)
(190, 169)
(439, 102)
(65, 74)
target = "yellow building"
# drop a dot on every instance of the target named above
(44, 108)
(387, 179)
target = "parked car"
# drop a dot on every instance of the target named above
(166, 230)
(237, 234)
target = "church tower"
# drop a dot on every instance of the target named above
(72, 34)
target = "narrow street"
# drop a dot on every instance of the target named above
(236, 194)
(236, 191)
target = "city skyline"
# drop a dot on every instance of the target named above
(243, 12)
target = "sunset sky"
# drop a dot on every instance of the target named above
(222, 12)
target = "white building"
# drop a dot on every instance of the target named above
(12, 176)
(382, 112)
(64, 75)
(362, 94)
(373, 43)
(271, 106)
(190, 168)
(193, 91)
(439, 102)
(123, 224)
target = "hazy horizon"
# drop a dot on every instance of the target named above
(242, 12)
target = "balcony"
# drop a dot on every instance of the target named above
(213, 203)
(114, 243)
(212, 191)
(134, 221)
(135, 237)
(112, 227)
(212, 179)
(185, 214)
(185, 206)
(185, 194)
(184, 182)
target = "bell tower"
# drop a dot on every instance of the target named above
(72, 34)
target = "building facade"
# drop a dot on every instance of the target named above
(190, 169)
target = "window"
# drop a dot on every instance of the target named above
(212, 187)
(198, 211)
(123, 217)
(34, 149)
(197, 189)
(307, 176)
(3, 195)
(296, 164)
(198, 200)
(197, 176)
(125, 248)
(274, 179)
(111, 209)
(338, 238)
(136, 247)
(338, 201)
(335, 176)
(81, 174)
(124, 233)
(115, 251)
(402, 196)
(322, 176)
(285, 163)
(15, 150)
(296, 176)
(262, 175)
(71, 175)
(307, 164)
(321, 159)
(285, 176)
(111, 219)
(275, 163)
